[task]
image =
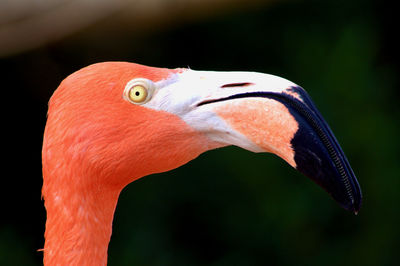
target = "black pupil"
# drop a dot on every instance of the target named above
(137, 93)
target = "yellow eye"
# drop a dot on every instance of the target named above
(139, 91)
(138, 94)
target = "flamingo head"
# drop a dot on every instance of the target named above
(120, 121)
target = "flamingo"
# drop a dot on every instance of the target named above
(111, 123)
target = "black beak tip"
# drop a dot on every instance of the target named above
(319, 156)
(353, 205)
(326, 164)
(341, 185)
(356, 206)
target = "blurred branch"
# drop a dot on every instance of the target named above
(27, 24)
(30, 24)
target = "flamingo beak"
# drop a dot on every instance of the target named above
(316, 152)
(265, 113)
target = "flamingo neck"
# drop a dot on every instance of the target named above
(78, 226)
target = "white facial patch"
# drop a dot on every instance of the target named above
(181, 94)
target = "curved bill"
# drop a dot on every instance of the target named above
(317, 153)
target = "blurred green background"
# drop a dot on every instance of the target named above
(229, 206)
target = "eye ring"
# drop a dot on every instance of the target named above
(139, 90)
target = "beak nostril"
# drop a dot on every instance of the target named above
(243, 84)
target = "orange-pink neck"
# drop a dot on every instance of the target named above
(78, 226)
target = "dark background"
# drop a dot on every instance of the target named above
(229, 206)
